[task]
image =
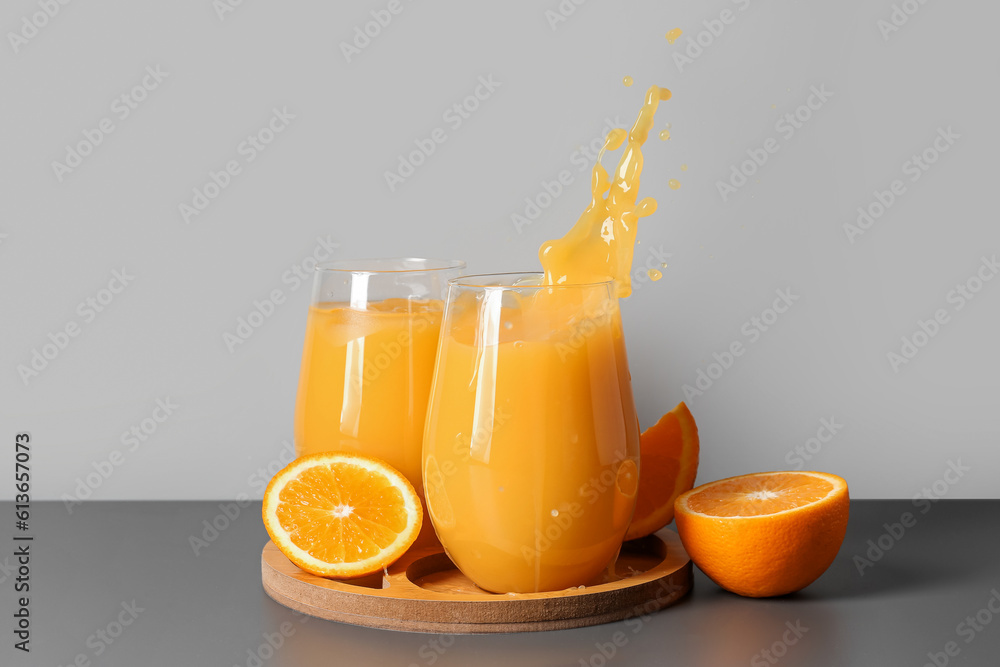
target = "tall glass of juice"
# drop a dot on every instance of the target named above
(371, 336)
(531, 446)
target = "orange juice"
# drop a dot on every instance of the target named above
(531, 468)
(531, 447)
(366, 373)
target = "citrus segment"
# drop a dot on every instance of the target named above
(341, 515)
(668, 464)
(765, 534)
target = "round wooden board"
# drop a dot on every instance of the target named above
(425, 592)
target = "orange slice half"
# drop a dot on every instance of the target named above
(341, 515)
(668, 464)
(765, 534)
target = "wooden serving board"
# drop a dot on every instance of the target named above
(425, 592)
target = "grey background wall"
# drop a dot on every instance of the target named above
(135, 295)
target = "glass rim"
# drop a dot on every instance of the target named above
(464, 281)
(377, 265)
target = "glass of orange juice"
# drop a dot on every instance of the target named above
(368, 358)
(531, 445)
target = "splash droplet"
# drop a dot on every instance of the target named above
(673, 35)
(645, 208)
(674, 184)
(665, 134)
(684, 167)
(627, 81)
(654, 275)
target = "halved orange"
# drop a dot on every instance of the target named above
(668, 464)
(342, 515)
(765, 534)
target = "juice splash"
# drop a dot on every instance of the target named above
(673, 35)
(531, 484)
(600, 245)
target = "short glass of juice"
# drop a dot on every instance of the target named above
(531, 445)
(368, 358)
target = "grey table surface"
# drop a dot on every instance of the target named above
(120, 583)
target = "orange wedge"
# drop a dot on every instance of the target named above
(765, 534)
(341, 515)
(668, 464)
